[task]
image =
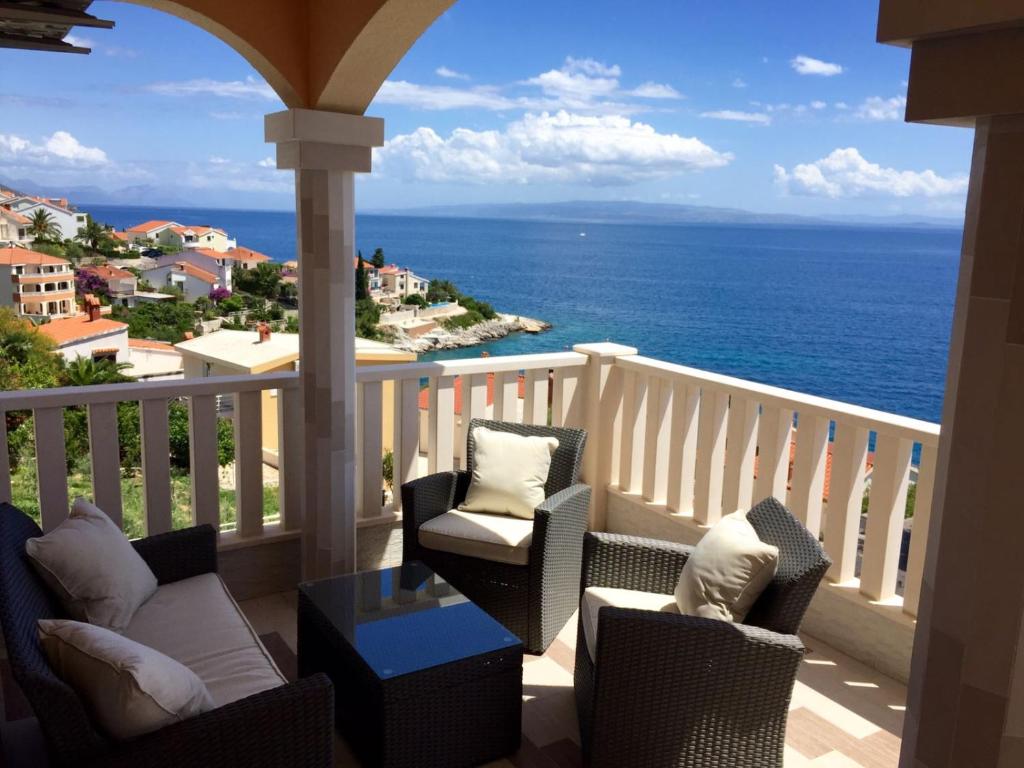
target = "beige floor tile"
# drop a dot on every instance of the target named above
(543, 676)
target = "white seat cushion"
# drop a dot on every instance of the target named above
(197, 622)
(89, 563)
(130, 689)
(596, 598)
(498, 538)
(727, 571)
(509, 473)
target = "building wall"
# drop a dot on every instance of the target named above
(163, 277)
(69, 222)
(113, 340)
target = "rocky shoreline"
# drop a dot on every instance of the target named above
(489, 330)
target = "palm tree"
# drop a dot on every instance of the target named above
(85, 372)
(42, 226)
(93, 234)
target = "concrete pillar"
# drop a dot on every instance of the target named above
(326, 150)
(602, 402)
(966, 693)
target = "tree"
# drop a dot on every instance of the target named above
(264, 280)
(367, 317)
(94, 235)
(43, 227)
(27, 359)
(442, 290)
(161, 320)
(378, 258)
(414, 299)
(86, 372)
(217, 295)
(362, 281)
(87, 281)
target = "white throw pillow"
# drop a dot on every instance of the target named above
(729, 568)
(509, 473)
(95, 571)
(129, 688)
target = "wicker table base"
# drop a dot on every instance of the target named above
(463, 712)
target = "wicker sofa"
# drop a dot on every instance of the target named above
(535, 598)
(288, 724)
(668, 690)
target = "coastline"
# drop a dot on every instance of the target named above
(489, 330)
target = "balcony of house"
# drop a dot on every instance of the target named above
(43, 288)
(670, 450)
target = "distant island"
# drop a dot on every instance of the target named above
(636, 212)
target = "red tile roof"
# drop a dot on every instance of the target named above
(196, 272)
(148, 226)
(11, 256)
(14, 216)
(424, 400)
(79, 328)
(107, 272)
(247, 254)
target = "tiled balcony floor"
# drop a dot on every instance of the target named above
(843, 715)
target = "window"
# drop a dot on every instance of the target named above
(104, 354)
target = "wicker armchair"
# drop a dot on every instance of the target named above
(534, 600)
(289, 725)
(668, 690)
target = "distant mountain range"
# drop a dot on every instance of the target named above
(635, 212)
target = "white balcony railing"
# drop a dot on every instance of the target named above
(48, 406)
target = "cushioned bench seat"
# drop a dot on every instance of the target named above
(196, 622)
(596, 598)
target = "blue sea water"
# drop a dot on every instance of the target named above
(857, 314)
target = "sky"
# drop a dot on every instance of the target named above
(783, 107)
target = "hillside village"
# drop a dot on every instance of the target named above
(130, 296)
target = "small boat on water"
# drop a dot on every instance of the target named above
(583, 234)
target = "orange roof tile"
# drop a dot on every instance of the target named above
(424, 400)
(25, 256)
(108, 272)
(161, 346)
(196, 272)
(247, 254)
(14, 216)
(148, 226)
(120, 235)
(79, 328)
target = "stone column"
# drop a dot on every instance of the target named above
(326, 150)
(966, 693)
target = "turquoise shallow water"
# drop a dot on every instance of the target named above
(857, 314)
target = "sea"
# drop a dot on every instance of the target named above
(856, 313)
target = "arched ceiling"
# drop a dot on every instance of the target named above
(318, 54)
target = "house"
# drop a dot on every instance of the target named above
(247, 258)
(208, 260)
(121, 284)
(181, 237)
(13, 227)
(401, 283)
(373, 278)
(89, 335)
(154, 360)
(233, 353)
(40, 285)
(194, 282)
(66, 220)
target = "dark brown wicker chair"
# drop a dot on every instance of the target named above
(535, 600)
(668, 690)
(290, 725)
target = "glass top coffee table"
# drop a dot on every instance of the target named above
(422, 676)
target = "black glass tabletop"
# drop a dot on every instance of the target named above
(405, 619)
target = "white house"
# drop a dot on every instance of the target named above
(121, 284)
(182, 275)
(216, 263)
(181, 236)
(13, 228)
(66, 220)
(402, 283)
(89, 335)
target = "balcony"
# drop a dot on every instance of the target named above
(670, 450)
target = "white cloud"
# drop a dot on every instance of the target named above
(739, 82)
(579, 85)
(239, 176)
(250, 88)
(450, 74)
(438, 97)
(561, 148)
(877, 109)
(818, 105)
(80, 42)
(805, 65)
(845, 173)
(267, 162)
(740, 117)
(228, 115)
(217, 160)
(656, 91)
(841, 105)
(59, 149)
